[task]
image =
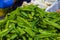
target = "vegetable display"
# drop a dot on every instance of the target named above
(30, 22)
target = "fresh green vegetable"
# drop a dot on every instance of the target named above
(30, 22)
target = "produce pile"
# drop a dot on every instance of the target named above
(30, 22)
